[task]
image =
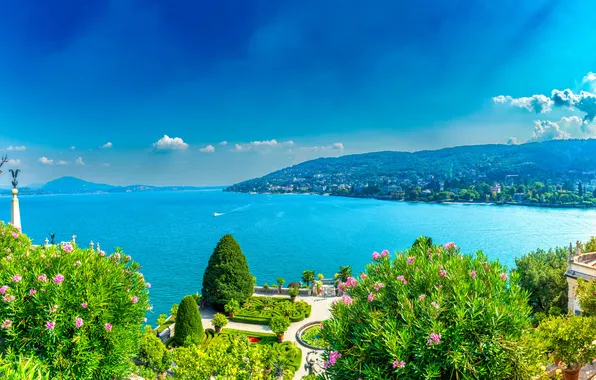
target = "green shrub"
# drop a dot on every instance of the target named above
(571, 338)
(188, 322)
(227, 276)
(586, 293)
(266, 286)
(260, 310)
(308, 276)
(280, 282)
(174, 309)
(320, 276)
(154, 353)
(197, 298)
(219, 320)
(79, 312)
(279, 324)
(431, 313)
(232, 307)
(161, 319)
(13, 367)
(293, 292)
(542, 274)
(345, 271)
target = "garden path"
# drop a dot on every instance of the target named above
(320, 311)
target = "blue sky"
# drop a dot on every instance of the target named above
(285, 80)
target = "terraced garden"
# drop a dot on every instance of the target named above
(260, 310)
(288, 352)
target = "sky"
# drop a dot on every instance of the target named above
(193, 92)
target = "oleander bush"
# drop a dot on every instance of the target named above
(76, 311)
(260, 310)
(431, 312)
(227, 276)
(13, 367)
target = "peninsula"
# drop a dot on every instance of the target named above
(560, 173)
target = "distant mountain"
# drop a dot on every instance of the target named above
(72, 185)
(560, 159)
(75, 185)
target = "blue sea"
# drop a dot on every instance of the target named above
(172, 234)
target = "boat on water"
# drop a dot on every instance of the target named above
(217, 214)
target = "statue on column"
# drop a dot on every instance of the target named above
(15, 174)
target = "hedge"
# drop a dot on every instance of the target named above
(260, 310)
(288, 351)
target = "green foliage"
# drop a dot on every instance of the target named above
(154, 353)
(188, 322)
(590, 245)
(586, 293)
(320, 276)
(260, 310)
(174, 309)
(293, 291)
(13, 367)
(345, 271)
(571, 338)
(279, 324)
(161, 319)
(231, 356)
(232, 307)
(266, 286)
(312, 335)
(542, 274)
(219, 320)
(145, 372)
(227, 276)
(197, 298)
(308, 276)
(309, 377)
(280, 281)
(443, 314)
(51, 291)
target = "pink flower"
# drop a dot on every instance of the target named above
(102, 253)
(371, 297)
(436, 305)
(434, 339)
(333, 356)
(399, 364)
(443, 273)
(16, 278)
(6, 324)
(77, 263)
(8, 258)
(385, 253)
(78, 322)
(486, 267)
(3, 289)
(8, 250)
(116, 256)
(473, 274)
(148, 285)
(108, 327)
(32, 291)
(376, 256)
(402, 279)
(321, 326)
(342, 286)
(59, 278)
(411, 259)
(379, 286)
(8, 298)
(134, 299)
(449, 245)
(42, 278)
(504, 276)
(347, 299)
(15, 235)
(84, 305)
(67, 248)
(421, 297)
(50, 325)
(351, 282)
(54, 308)
(363, 276)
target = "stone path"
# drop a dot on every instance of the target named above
(320, 311)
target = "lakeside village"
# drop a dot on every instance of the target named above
(429, 312)
(574, 189)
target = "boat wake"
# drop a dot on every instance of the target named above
(234, 210)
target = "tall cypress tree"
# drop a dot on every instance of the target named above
(188, 322)
(227, 276)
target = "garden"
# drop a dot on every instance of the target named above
(260, 310)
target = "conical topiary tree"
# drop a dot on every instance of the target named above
(188, 322)
(227, 276)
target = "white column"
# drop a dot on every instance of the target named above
(15, 212)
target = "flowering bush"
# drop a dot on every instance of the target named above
(571, 338)
(78, 311)
(431, 313)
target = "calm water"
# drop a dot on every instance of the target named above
(173, 234)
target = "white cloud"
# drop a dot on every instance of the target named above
(17, 148)
(13, 162)
(338, 147)
(62, 162)
(72, 147)
(46, 161)
(208, 149)
(79, 161)
(106, 145)
(169, 143)
(590, 77)
(261, 145)
(512, 141)
(223, 143)
(545, 130)
(534, 103)
(569, 121)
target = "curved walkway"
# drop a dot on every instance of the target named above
(320, 311)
